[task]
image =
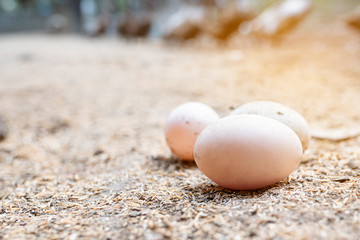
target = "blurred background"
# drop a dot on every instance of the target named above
(170, 19)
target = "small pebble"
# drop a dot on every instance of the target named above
(134, 214)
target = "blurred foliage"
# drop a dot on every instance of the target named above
(42, 7)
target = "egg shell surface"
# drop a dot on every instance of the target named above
(184, 125)
(280, 112)
(245, 152)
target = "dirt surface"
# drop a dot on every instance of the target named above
(85, 156)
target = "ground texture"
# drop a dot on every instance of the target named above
(85, 156)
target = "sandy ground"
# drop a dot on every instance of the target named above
(86, 157)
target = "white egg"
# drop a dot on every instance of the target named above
(280, 112)
(184, 125)
(246, 152)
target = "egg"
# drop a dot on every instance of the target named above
(280, 112)
(245, 152)
(184, 125)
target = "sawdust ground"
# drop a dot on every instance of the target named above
(86, 156)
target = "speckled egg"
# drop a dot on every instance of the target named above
(184, 125)
(280, 112)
